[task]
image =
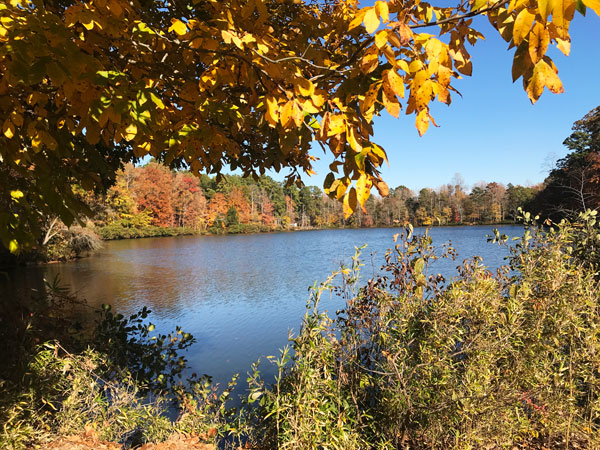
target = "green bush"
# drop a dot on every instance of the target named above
(485, 360)
(119, 230)
(115, 379)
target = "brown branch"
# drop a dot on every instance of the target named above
(458, 18)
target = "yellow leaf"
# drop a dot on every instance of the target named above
(130, 132)
(371, 20)
(370, 97)
(357, 20)
(297, 114)
(178, 27)
(543, 76)
(36, 143)
(262, 48)
(340, 190)
(422, 121)
(382, 10)
(564, 45)
(545, 8)
(522, 26)
(272, 115)
(8, 129)
(433, 47)
(286, 113)
(349, 203)
(539, 38)
(363, 190)
(308, 107)
(396, 82)
(157, 101)
(336, 125)
(17, 194)
(391, 103)
(381, 38)
(593, 4)
(88, 25)
(227, 36)
(13, 246)
(305, 87)
(521, 62)
(380, 152)
(369, 61)
(319, 98)
(351, 138)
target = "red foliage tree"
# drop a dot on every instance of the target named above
(152, 189)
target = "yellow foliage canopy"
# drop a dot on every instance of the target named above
(236, 84)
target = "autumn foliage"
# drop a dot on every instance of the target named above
(215, 85)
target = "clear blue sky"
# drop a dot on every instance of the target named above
(492, 133)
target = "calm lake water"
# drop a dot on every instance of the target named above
(238, 295)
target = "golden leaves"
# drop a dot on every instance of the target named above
(543, 76)
(363, 190)
(245, 75)
(272, 114)
(371, 20)
(422, 121)
(381, 7)
(178, 27)
(390, 102)
(130, 132)
(349, 204)
(395, 82)
(539, 38)
(8, 129)
(523, 24)
(370, 60)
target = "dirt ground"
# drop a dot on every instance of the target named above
(84, 442)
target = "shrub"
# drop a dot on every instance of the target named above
(485, 360)
(116, 381)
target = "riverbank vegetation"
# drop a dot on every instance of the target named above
(484, 360)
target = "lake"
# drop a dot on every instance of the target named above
(239, 295)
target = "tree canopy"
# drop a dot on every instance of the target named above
(573, 186)
(222, 85)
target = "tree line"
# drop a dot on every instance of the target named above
(151, 196)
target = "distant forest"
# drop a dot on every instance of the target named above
(153, 195)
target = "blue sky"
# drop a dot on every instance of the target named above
(492, 133)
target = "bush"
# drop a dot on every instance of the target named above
(70, 243)
(116, 381)
(120, 230)
(482, 361)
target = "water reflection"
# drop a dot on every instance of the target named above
(238, 295)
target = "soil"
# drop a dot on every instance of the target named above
(89, 442)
